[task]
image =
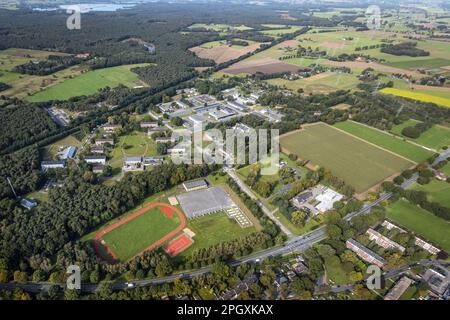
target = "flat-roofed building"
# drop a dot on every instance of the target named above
(150, 124)
(365, 253)
(238, 106)
(98, 168)
(51, 164)
(195, 185)
(327, 199)
(383, 241)
(110, 128)
(399, 289)
(97, 149)
(97, 159)
(103, 141)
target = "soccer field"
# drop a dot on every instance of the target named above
(141, 231)
(359, 163)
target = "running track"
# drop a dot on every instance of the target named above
(116, 225)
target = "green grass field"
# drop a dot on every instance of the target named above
(437, 191)
(386, 141)
(137, 234)
(424, 97)
(134, 144)
(446, 169)
(89, 83)
(421, 63)
(335, 271)
(422, 222)
(213, 229)
(398, 128)
(436, 137)
(50, 152)
(360, 164)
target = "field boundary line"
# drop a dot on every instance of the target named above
(372, 144)
(395, 136)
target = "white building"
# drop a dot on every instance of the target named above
(95, 159)
(327, 199)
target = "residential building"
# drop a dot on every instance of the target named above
(301, 198)
(383, 241)
(152, 124)
(399, 289)
(59, 164)
(101, 142)
(97, 159)
(110, 128)
(365, 253)
(238, 106)
(97, 149)
(98, 169)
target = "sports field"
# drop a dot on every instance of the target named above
(422, 222)
(385, 141)
(90, 82)
(361, 164)
(143, 230)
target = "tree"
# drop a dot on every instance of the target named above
(298, 218)
(325, 251)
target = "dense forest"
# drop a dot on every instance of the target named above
(405, 49)
(50, 65)
(23, 123)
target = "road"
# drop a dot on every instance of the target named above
(250, 193)
(293, 244)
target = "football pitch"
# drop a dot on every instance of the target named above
(141, 231)
(360, 164)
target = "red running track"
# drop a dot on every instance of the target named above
(97, 240)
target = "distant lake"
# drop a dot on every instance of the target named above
(92, 7)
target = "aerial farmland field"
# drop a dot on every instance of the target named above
(361, 164)
(88, 83)
(385, 140)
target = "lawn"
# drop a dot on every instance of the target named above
(50, 152)
(134, 144)
(335, 271)
(385, 140)
(90, 82)
(357, 162)
(213, 229)
(424, 97)
(134, 236)
(422, 222)
(437, 191)
(446, 169)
